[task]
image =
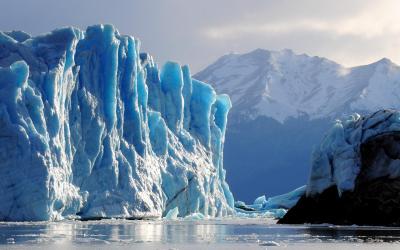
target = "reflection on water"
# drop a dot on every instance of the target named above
(185, 232)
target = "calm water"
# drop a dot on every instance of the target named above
(215, 234)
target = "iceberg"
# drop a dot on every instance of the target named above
(285, 201)
(355, 174)
(90, 127)
(337, 161)
(260, 200)
(172, 214)
(273, 207)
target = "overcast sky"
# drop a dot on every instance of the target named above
(351, 32)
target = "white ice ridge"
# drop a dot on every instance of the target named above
(89, 127)
(337, 161)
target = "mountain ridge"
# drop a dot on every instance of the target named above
(284, 84)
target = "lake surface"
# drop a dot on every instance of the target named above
(209, 234)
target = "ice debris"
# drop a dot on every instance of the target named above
(172, 214)
(275, 207)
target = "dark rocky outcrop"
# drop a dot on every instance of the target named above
(375, 199)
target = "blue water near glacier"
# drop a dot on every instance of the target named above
(219, 234)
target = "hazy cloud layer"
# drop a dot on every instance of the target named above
(197, 32)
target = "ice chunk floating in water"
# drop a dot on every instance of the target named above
(89, 127)
(275, 207)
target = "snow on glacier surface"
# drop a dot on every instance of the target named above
(90, 127)
(337, 160)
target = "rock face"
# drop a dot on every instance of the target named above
(355, 178)
(89, 128)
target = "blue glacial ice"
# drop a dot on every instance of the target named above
(92, 128)
(172, 214)
(285, 201)
(337, 160)
(275, 207)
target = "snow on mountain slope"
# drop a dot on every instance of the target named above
(283, 103)
(282, 84)
(90, 128)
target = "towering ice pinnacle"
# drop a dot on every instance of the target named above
(89, 127)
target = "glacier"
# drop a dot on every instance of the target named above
(355, 174)
(273, 207)
(92, 128)
(338, 160)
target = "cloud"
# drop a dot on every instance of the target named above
(357, 34)
(376, 18)
(266, 29)
(198, 32)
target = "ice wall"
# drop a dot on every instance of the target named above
(338, 159)
(90, 127)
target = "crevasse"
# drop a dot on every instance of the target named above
(89, 127)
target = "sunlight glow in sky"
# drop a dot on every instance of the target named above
(198, 32)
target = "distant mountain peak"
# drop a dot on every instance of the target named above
(385, 60)
(282, 84)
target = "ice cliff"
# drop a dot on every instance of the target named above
(90, 127)
(338, 160)
(355, 174)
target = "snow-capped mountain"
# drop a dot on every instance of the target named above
(283, 103)
(282, 84)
